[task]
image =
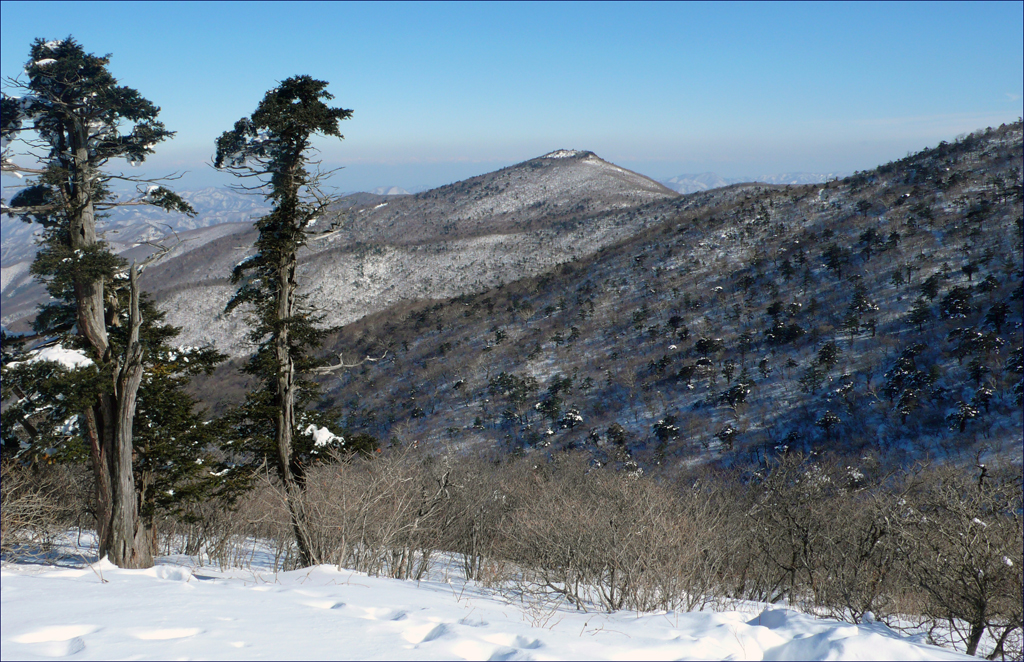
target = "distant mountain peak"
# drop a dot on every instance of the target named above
(389, 190)
(567, 154)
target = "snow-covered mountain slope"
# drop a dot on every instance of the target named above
(21, 293)
(134, 232)
(530, 194)
(456, 239)
(177, 610)
(878, 313)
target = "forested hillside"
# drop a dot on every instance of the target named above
(881, 312)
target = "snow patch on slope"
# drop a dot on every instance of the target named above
(69, 358)
(562, 154)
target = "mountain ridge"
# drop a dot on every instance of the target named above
(692, 183)
(880, 314)
(447, 241)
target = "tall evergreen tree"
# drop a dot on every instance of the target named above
(74, 109)
(273, 145)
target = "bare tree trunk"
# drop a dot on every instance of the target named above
(131, 544)
(290, 472)
(108, 423)
(104, 500)
(974, 638)
(88, 293)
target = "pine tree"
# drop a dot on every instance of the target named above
(273, 145)
(74, 109)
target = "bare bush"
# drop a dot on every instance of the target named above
(594, 536)
(382, 515)
(824, 538)
(231, 533)
(39, 505)
(939, 548)
(939, 545)
(961, 538)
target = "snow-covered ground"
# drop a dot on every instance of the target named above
(178, 610)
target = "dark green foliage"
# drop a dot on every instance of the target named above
(516, 390)
(828, 422)
(175, 447)
(75, 89)
(970, 342)
(835, 258)
(811, 379)
(727, 435)
(956, 303)
(81, 119)
(959, 418)
(920, 313)
(42, 424)
(273, 145)
(861, 303)
(930, 287)
(618, 435)
(996, 315)
(736, 394)
(828, 355)
(905, 382)
(781, 333)
(707, 346)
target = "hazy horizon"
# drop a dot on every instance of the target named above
(442, 92)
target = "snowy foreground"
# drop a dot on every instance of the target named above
(176, 611)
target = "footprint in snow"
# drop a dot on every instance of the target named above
(380, 614)
(56, 640)
(419, 634)
(469, 649)
(512, 640)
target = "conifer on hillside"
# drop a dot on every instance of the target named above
(106, 398)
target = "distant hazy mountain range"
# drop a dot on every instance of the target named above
(705, 181)
(129, 226)
(389, 190)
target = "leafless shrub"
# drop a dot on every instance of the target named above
(824, 537)
(477, 506)
(39, 504)
(231, 534)
(961, 537)
(834, 537)
(939, 545)
(594, 536)
(380, 515)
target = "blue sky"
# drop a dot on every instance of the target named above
(445, 91)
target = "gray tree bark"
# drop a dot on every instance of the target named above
(108, 424)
